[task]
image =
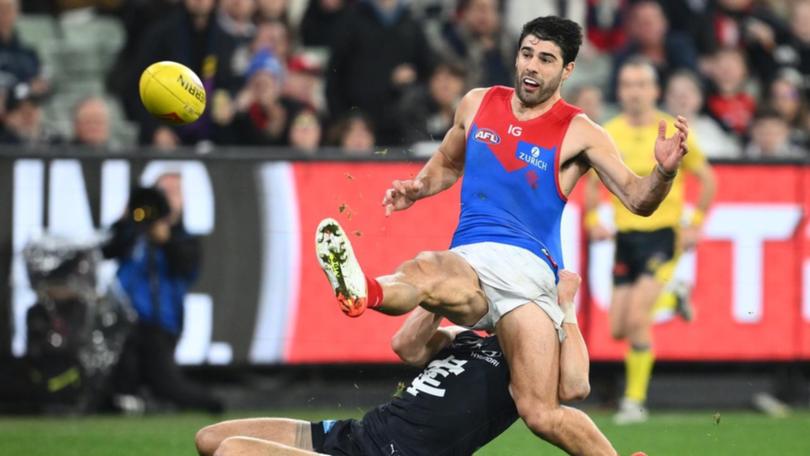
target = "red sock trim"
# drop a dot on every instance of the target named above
(375, 293)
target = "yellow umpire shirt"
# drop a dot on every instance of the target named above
(636, 145)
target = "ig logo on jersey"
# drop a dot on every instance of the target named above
(487, 136)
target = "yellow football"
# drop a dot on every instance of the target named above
(172, 92)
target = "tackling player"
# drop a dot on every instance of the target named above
(457, 404)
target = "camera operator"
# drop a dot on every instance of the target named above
(158, 262)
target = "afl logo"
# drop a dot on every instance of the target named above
(487, 136)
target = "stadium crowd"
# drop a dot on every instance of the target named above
(356, 74)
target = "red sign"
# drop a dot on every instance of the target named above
(751, 273)
(352, 193)
(747, 287)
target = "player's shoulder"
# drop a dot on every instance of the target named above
(472, 100)
(584, 128)
(475, 96)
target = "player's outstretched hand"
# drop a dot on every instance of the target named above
(567, 287)
(402, 195)
(670, 151)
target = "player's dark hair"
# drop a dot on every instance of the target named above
(564, 33)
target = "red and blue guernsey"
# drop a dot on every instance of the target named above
(511, 194)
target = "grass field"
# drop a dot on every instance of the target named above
(738, 433)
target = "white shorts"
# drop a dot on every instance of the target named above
(511, 277)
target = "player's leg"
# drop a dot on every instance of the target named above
(531, 346)
(248, 446)
(289, 432)
(442, 282)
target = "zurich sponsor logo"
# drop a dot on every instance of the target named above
(485, 135)
(531, 155)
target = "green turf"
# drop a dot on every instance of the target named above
(678, 434)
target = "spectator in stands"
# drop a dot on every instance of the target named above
(91, 123)
(262, 113)
(157, 263)
(770, 137)
(378, 51)
(318, 26)
(272, 10)
(18, 63)
(692, 18)
(649, 36)
(786, 99)
(795, 51)
(136, 17)
(303, 82)
(191, 36)
(427, 113)
(517, 12)
(305, 132)
(684, 97)
(478, 41)
(753, 28)
(589, 98)
(604, 26)
(236, 18)
(273, 35)
(729, 102)
(22, 122)
(354, 134)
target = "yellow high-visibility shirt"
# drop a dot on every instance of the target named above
(637, 148)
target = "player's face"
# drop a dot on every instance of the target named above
(539, 70)
(638, 89)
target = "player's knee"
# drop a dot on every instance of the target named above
(537, 416)
(423, 272)
(207, 440)
(541, 422)
(420, 269)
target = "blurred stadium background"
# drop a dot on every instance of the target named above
(314, 106)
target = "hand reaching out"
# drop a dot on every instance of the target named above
(402, 195)
(670, 151)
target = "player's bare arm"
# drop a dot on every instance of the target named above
(420, 337)
(446, 165)
(641, 195)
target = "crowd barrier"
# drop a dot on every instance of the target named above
(262, 298)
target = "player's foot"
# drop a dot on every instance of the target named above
(683, 304)
(337, 260)
(630, 412)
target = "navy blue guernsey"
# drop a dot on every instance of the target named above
(459, 403)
